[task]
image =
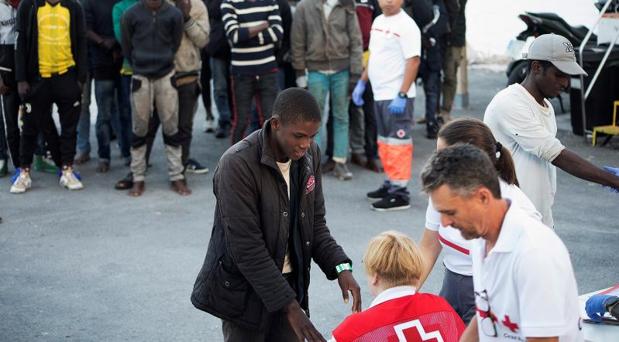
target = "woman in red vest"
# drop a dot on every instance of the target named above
(398, 313)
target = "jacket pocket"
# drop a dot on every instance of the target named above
(229, 291)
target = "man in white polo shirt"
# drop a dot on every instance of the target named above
(522, 274)
(523, 120)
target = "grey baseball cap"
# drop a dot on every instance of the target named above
(557, 50)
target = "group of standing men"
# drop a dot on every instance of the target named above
(61, 44)
(257, 48)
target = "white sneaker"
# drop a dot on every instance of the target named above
(70, 180)
(22, 182)
(209, 126)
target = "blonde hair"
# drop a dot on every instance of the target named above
(395, 258)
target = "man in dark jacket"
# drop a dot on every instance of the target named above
(454, 55)
(433, 21)
(287, 77)
(50, 67)
(269, 225)
(219, 52)
(151, 35)
(106, 61)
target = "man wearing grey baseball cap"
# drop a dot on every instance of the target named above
(523, 120)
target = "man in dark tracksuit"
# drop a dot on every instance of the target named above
(269, 225)
(454, 54)
(106, 61)
(50, 67)
(218, 52)
(433, 39)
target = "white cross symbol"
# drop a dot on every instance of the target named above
(425, 336)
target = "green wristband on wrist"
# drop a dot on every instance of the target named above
(343, 267)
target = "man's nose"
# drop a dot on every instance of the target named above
(305, 143)
(446, 221)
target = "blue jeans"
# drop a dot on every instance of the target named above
(83, 126)
(221, 74)
(111, 116)
(336, 85)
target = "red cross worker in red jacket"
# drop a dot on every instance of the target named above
(398, 313)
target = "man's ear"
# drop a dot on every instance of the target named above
(275, 123)
(536, 67)
(484, 195)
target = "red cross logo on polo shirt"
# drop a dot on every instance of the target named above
(513, 327)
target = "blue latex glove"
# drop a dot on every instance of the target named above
(357, 93)
(595, 306)
(614, 171)
(397, 105)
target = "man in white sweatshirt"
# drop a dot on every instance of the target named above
(523, 120)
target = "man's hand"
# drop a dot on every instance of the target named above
(108, 43)
(301, 81)
(596, 306)
(300, 323)
(348, 284)
(185, 7)
(357, 93)
(23, 88)
(614, 171)
(397, 105)
(261, 26)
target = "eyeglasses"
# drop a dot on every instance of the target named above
(488, 319)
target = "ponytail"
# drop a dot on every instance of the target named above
(475, 132)
(505, 165)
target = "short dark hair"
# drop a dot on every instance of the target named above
(462, 167)
(296, 104)
(545, 65)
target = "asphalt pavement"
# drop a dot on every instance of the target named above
(97, 265)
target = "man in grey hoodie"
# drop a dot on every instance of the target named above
(151, 35)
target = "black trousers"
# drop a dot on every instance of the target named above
(10, 103)
(261, 87)
(371, 147)
(278, 331)
(64, 91)
(458, 292)
(187, 101)
(205, 83)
